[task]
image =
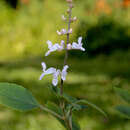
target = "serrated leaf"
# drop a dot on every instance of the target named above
(93, 106)
(124, 94)
(124, 110)
(17, 97)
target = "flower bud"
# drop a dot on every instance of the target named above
(63, 17)
(69, 1)
(75, 18)
(68, 11)
(71, 5)
(69, 46)
(70, 31)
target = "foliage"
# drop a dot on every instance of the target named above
(16, 97)
(105, 37)
(125, 95)
(101, 72)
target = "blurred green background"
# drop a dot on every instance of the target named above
(105, 27)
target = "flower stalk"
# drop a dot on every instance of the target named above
(66, 117)
(62, 103)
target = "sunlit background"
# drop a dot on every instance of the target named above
(25, 27)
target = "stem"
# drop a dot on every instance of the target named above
(52, 112)
(62, 103)
(66, 51)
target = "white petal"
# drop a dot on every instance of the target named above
(55, 82)
(49, 44)
(42, 75)
(79, 40)
(55, 77)
(63, 17)
(55, 47)
(50, 70)
(61, 46)
(59, 33)
(43, 66)
(64, 72)
(47, 53)
(75, 45)
(63, 31)
(83, 49)
(75, 18)
(70, 31)
(65, 68)
(62, 43)
(69, 46)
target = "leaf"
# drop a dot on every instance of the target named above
(123, 93)
(93, 106)
(56, 109)
(17, 97)
(72, 101)
(55, 91)
(68, 98)
(75, 125)
(76, 107)
(124, 110)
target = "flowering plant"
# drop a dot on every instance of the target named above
(17, 97)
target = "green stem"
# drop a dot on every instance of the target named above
(62, 103)
(50, 111)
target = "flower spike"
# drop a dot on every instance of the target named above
(55, 72)
(78, 45)
(54, 47)
(46, 72)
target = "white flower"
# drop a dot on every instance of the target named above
(54, 47)
(70, 31)
(69, 46)
(48, 71)
(69, 1)
(54, 72)
(64, 31)
(78, 45)
(75, 18)
(63, 17)
(64, 72)
(55, 77)
(61, 46)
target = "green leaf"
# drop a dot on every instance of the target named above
(56, 109)
(68, 98)
(75, 125)
(123, 93)
(72, 101)
(93, 106)
(53, 89)
(17, 97)
(124, 110)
